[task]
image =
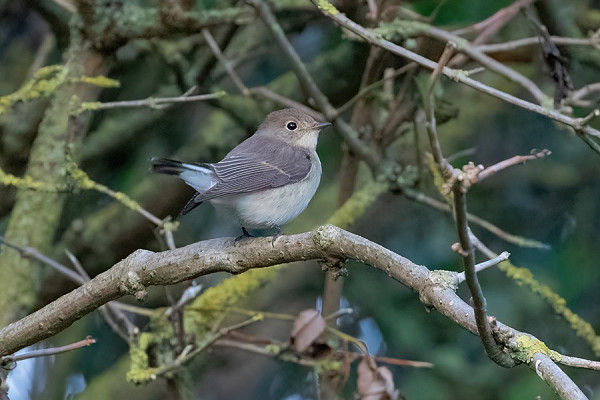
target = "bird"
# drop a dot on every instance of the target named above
(266, 180)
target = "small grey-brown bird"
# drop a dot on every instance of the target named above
(265, 181)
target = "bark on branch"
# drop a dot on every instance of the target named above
(145, 268)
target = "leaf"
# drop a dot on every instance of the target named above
(308, 326)
(375, 383)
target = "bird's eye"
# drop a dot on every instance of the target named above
(291, 126)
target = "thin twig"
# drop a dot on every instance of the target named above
(460, 211)
(77, 265)
(146, 312)
(460, 277)
(6, 360)
(30, 252)
(492, 349)
(187, 296)
(267, 93)
(368, 89)
(114, 317)
(533, 41)
(329, 10)
(577, 96)
(151, 101)
(489, 171)
(210, 40)
(429, 105)
(79, 278)
(579, 362)
(41, 55)
(503, 14)
(502, 234)
(190, 352)
(491, 64)
(307, 82)
(490, 26)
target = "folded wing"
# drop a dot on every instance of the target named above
(256, 164)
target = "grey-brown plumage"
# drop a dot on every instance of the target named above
(266, 180)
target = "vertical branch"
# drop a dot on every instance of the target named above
(36, 214)
(492, 349)
(429, 105)
(459, 190)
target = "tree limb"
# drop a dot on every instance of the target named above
(145, 268)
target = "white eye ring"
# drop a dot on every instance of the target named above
(290, 126)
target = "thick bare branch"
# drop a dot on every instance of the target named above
(144, 268)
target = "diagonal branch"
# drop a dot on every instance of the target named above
(144, 268)
(309, 84)
(457, 75)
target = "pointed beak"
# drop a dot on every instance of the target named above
(322, 125)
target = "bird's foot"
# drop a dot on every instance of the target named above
(245, 235)
(277, 235)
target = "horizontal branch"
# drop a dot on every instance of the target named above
(151, 102)
(535, 41)
(145, 268)
(51, 351)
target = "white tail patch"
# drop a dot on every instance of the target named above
(198, 177)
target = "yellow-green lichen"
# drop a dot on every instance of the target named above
(88, 106)
(357, 204)
(444, 279)
(524, 277)
(399, 29)
(43, 83)
(528, 346)
(327, 7)
(157, 340)
(100, 81)
(25, 182)
(202, 313)
(84, 182)
(328, 365)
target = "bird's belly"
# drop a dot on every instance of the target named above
(270, 207)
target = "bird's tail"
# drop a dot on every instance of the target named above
(198, 176)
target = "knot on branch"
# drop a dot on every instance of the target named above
(132, 284)
(438, 280)
(468, 175)
(325, 236)
(335, 265)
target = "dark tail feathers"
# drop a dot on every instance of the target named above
(166, 166)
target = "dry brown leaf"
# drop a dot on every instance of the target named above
(375, 383)
(307, 328)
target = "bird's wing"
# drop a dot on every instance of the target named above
(256, 164)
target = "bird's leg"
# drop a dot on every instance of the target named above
(246, 235)
(277, 235)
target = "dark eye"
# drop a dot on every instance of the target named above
(291, 126)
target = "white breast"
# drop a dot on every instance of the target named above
(272, 207)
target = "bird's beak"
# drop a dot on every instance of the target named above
(322, 125)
